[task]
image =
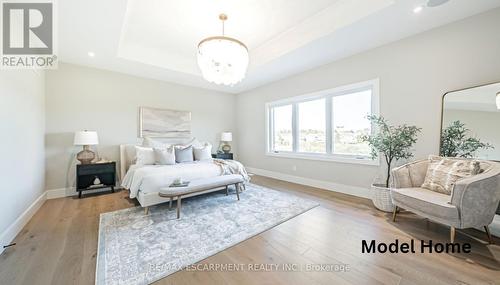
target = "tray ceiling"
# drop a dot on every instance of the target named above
(166, 33)
(158, 38)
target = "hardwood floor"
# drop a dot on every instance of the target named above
(59, 244)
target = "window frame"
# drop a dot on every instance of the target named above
(328, 94)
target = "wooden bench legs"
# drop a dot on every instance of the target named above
(179, 207)
(237, 186)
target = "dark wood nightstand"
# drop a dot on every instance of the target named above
(87, 173)
(222, 155)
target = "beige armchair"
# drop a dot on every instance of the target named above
(473, 201)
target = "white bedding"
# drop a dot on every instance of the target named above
(149, 178)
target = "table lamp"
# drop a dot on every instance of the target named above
(86, 139)
(225, 138)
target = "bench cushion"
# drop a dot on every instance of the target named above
(202, 184)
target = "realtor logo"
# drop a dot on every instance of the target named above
(28, 35)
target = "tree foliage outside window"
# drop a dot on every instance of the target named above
(457, 142)
(392, 142)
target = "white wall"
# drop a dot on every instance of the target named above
(414, 74)
(81, 98)
(22, 125)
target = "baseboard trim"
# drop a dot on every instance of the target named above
(13, 230)
(331, 186)
(71, 191)
(58, 193)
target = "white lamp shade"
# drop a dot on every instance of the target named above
(86, 138)
(226, 137)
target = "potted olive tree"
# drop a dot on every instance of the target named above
(391, 143)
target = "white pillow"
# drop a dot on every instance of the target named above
(154, 143)
(144, 155)
(164, 156)
(203, 153)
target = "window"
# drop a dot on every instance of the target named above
(349, 113)
(282, 128)
(312, 131)
(326, 125)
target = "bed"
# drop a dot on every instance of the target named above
(144, 181)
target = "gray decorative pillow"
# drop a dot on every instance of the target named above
(183, 154)
(164, 156)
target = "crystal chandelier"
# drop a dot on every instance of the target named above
(222, 60)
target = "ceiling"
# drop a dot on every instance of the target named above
(270, 29)
(158, 38)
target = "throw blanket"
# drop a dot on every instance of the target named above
(232, 167)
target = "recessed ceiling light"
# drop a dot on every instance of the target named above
(91, 54)
(435, 3)
(418, 9)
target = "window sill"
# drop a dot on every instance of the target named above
(325, 157)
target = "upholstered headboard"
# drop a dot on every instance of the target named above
(127, 157)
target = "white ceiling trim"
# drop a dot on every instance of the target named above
(327, 21)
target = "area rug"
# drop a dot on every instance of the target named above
(135, 248)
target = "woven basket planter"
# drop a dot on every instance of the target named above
(382, 198)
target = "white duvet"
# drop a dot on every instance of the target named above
(149, 178)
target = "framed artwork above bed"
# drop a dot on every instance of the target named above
(164, 123)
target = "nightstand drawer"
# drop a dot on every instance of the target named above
(223, 155)
(98, 168)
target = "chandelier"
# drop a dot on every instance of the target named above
(222, 60)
